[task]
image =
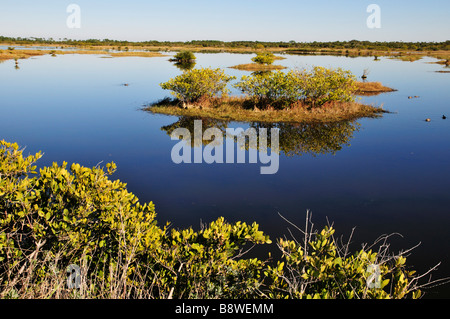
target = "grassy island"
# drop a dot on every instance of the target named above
(261, 62)
(237, 109)
(371, 88)
(257, 67)
(300, 96)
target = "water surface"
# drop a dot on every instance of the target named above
(379, 175)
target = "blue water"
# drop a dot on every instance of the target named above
(393, 176)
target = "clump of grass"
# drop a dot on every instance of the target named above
(408, 58)
(257, 67)
(371, 88)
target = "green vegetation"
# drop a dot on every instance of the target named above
(266, 58)
(184, 57)
(184, 60)
(283, 90)
(198, 85)
(63, 217)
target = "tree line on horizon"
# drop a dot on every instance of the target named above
(291, 45)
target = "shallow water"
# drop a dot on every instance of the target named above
(381, 176)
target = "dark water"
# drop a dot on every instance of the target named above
(379, 175)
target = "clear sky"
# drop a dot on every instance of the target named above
(255, 20)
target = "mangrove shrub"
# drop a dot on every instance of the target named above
(193, 85)
(315, 87)
(63, 216)
(78, 216)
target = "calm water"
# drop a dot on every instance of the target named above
(378, 175)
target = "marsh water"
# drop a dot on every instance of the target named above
(379, 176)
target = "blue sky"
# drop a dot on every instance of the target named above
(261, 20)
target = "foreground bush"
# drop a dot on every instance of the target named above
(80, 217)
(319, 269)
(193, 85)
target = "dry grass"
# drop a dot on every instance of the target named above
(371, 88)
(257, 67)
(19, 54)
(137, 54)
(21, 280)
(409, 58)
(237, 109)
(24, 54)
(113, 54)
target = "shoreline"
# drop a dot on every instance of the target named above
(297, 49)
(235, 109)
(20, 54)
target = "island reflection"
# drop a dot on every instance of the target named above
(295, 139)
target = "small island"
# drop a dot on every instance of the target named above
(320, 95)
(263, 61)
(257, 67)
(371, 88)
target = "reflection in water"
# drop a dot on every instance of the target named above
(185, 66)
(294, 139)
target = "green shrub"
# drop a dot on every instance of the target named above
(184, 57)
(79, 216)
(322, 85)
(269, 89)
(318, 269)
(264, 58)
(315, 87)
(193, 85)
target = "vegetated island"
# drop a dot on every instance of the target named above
(263, 61)
(257, 67)
(320, 95)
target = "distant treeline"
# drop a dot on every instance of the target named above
(291, 45)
